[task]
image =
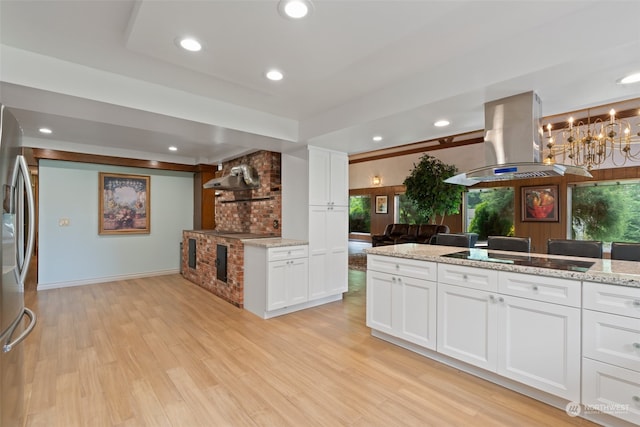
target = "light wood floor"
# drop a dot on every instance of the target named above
(161, 351)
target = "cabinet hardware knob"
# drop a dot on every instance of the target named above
(393, 279)
(492, 298)
(464, 276)
(397, 266)
(636, 399)
(535, 288)
(636, 303)
(636, 345)
(500, 299)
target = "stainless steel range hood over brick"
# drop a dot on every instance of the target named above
(242, 177)
(513, 144)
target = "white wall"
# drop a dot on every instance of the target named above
(394, 170)
(76, 254)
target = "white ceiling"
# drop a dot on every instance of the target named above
(107, 76)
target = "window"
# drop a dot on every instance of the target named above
(605, 210)
(406, 212)
(360, 214)
(489, 212)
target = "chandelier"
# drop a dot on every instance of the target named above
(591, 144)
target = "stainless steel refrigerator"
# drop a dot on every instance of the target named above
(16, 320)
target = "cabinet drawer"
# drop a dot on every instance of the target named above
(402, 267)
(622, 300)
(287, 252)
(612, 390)
(612, 339)
(548, 289)
(470, 277)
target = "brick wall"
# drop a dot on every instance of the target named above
(252, 211)
(204, 275)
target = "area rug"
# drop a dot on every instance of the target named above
(358, 262)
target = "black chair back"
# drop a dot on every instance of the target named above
(446, 239)
(625, 251)
(582, 248)
(504, 243)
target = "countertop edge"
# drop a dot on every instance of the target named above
(273, 242)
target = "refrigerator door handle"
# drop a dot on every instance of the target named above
(9, 345)
(22, 168)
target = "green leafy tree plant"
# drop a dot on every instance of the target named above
(426, 188)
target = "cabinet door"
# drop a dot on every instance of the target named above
(539, 345)
(339, 179)
(611, 389)
(328, 251)
(379, 301)
(337, 238)
(297, 281)
(611, 338)
(417, 319)
(319, 263)
(319, 177)
(276, 285)
(467, 325)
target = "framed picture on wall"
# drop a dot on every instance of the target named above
(124, 204)
(382, 204)
(540, 203)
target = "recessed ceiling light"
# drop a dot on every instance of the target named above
(631, 78)
(295, 9)
(190, 44)
(377, 138)
(45, 130)
(441, 123)
(172, 148)
(274, 75)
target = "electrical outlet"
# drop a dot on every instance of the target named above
(63, 222)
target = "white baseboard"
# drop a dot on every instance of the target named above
(93, 281)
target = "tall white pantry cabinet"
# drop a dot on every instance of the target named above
(315, 208)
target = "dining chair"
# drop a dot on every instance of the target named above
(625, 251)
(505, 243)
(451, 239)
(581, 248)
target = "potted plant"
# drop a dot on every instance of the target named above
(426, 188)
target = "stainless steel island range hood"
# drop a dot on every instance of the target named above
(512, 144)
(242, 177)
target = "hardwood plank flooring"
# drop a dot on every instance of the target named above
(162, 351)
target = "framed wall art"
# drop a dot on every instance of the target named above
(381, 204)
(540, 203)
(124, 204)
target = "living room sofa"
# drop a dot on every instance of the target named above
(407, 233)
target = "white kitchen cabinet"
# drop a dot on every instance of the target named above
(534, 342)
(275, 279)
(611, 350)
(315, 209)
(328, 250)
(539, 345)
(611, 390)
(402, 303)
(466, 325)
(287, 283)
(328, 178)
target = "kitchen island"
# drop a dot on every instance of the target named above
(559, 329)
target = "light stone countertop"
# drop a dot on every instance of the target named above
(273, 242)
(624, 273)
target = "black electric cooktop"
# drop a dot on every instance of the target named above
(521, 259)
